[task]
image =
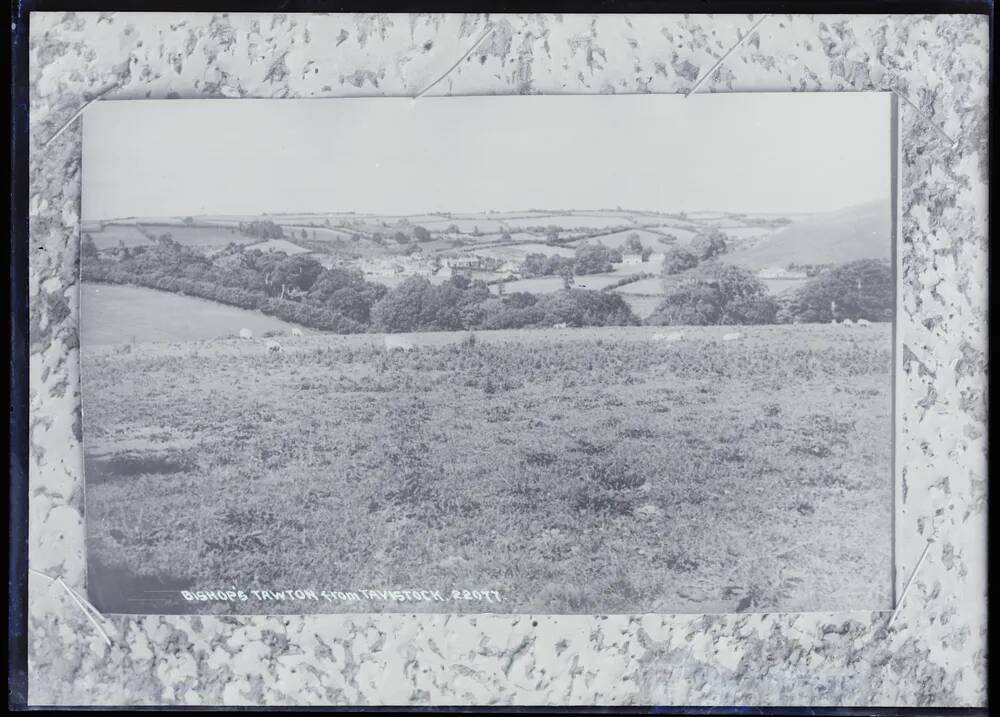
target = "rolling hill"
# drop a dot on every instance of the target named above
(859, 232)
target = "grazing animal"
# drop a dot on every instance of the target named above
(397, 343)
(563, 325)
(848, 322)
(833, 321)
(733, 336)
(246, 334)
(296, 332)
(864, 322)
(273, 347)
(672, 336)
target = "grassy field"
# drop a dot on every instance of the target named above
(642, 306)
(571, 471)
(112, 314)
(646, 287)
(570, 221)
(200, 236)
(284, 245)
(113, 235)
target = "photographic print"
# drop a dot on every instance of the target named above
(538, 354)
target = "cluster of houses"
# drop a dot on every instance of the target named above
(446, 265)
(437, 266)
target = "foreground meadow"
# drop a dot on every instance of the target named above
(570, 471)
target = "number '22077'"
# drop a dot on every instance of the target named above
(482, 595)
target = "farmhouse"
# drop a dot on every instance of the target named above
(632, 259)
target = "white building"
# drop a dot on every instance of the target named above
(463, 261)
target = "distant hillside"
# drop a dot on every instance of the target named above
(859, 232)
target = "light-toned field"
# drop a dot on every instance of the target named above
(113, 235)
(535, 285)
(683, 234)
(200, 236)
(648, 287)
(466, 226)
(779, 286)
(573, 471)
(112, 314)
(570, 221)
(595, 282)
(279, 245)
(294, 231)
(743, 232)
(642, 306)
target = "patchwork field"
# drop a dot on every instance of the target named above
(112, 236)
(570, 221)
(571, 471)
(196, 236)
(653, 240)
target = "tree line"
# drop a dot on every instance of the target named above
(301, 290)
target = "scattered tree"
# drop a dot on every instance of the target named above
(708, 244)
(633, 244)
(677, 260)
(88, 249)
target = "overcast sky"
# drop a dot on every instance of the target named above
(782, 152)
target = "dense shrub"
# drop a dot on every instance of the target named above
(88, 249)
(716, 294)
(862, 289)
(595, 259)
(548, 265)
(418, 305)
(261, 229)
(677, 260)
(708, 244)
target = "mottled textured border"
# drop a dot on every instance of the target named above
(934, 651)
